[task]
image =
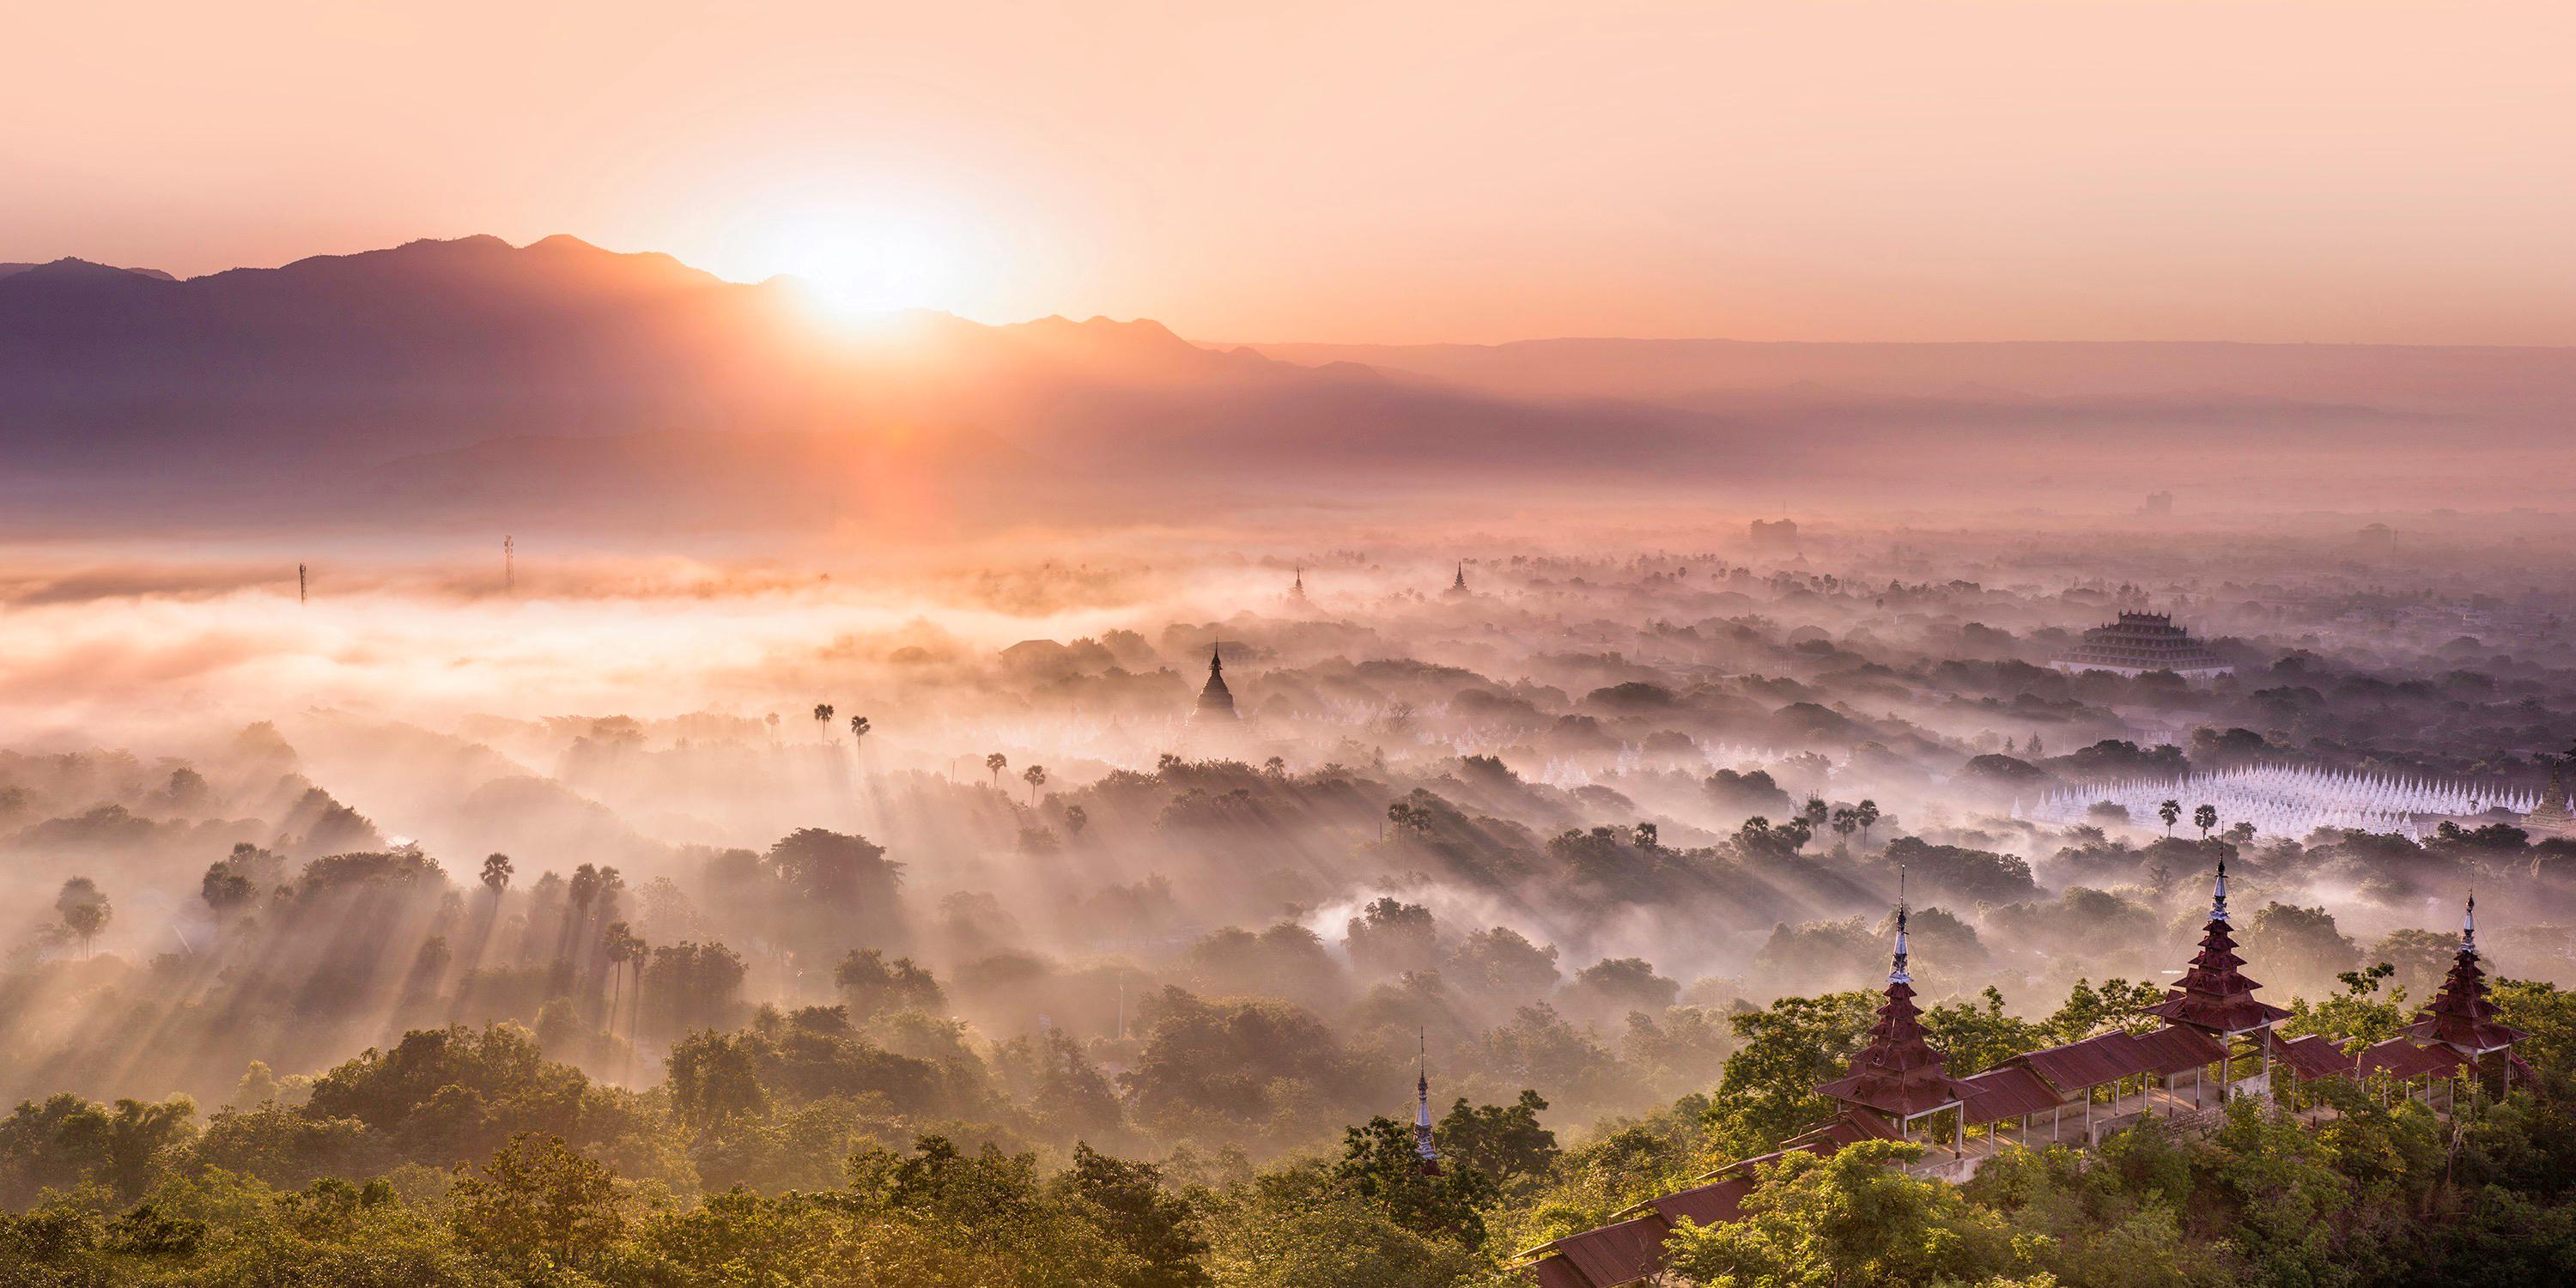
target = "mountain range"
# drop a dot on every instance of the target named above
(447, 376)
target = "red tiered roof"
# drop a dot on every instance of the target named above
(1898, 1072)
(2214, 995)
(2460, 1016)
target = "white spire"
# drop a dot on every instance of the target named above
(1422, 1147)
(2469, 926)
(1897, 974)
(2218, 895)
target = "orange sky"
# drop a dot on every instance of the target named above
(1925, 169)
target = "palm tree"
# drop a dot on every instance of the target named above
(859, 728)
(618, 945)
(1035, 777)
(496, 873)
(2205, 818)
(1865, 814)
(822, 713)
(994, 764)
(2169, 811)
(1845, 820)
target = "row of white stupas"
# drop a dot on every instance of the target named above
(2287, 800)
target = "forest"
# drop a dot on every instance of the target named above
(968, 954)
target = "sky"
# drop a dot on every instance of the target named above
(2313, 170)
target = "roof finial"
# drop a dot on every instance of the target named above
(1898, 974)
(1216, 658)
(2218, 896)
(1423, 1147)
(2469, 925)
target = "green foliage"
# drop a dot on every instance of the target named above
(1851, 1219)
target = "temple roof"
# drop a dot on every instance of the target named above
(1898, 1072)
(2461, 1016)
(2213, 994)
(1216, 698)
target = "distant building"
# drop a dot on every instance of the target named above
(2140, 643)
(1297, 588)
(2378, 538)
(1216, 702)
(2551, 817)
(2159, 505)
(1457, 589)
(1780, 534)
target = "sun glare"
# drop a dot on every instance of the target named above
(858, 264)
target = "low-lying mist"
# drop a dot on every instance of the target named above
(1552, 800)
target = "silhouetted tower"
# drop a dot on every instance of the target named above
(303, 590)
(1458, 588)
(1216, 702)
(1297, 588)
(509, 563)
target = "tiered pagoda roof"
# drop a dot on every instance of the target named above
(2215, 995)
(2141, 642)
(2460, 1016)
(1898, 1072)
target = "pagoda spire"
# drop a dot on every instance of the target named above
(1426, 1153)
(2214, 995)
(1897, 1073)
(2461, 1016)
(1897, 974)
(1216, 701)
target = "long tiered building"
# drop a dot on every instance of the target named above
(2217, 1044)
(2140, 643)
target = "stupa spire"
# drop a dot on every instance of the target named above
(1424, 1150)
(1897, 973)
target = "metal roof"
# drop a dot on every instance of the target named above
(2174, 1049)
(2314, 1057)
(2399, 1058)
(2008, 1092)
(1707, 1204)
(2096, 1060)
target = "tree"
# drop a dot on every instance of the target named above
(1378, 1164)
(621, 947)
(2205, 818)
(226, 889)
(540, 1209)
(2241, 833)
(1845, 821)
(859, 729)
(1850, 1218)
(1814, 814)
(874, 985)
(84, 910)
(497, 870)
(822, 715)
(1075, 819)
(1035, 777)
(1866, 815)
(994, 765)
(1503, 1142)
(2169, 812)
(1133, 1206)
(1645, 836)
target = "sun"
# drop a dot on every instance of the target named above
(859, 263)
